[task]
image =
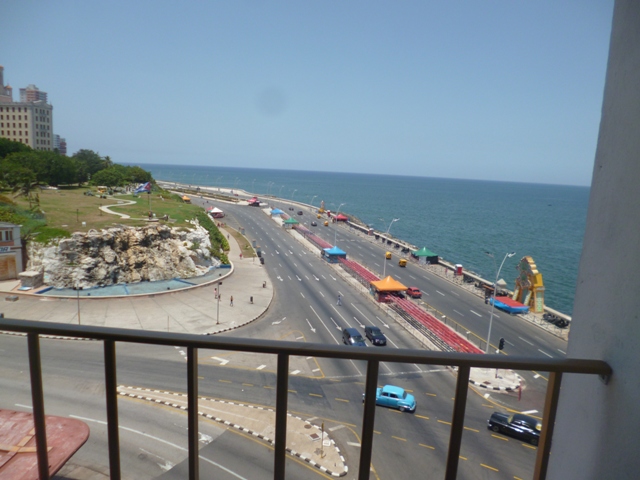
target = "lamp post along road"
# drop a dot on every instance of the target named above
(384, 268)
(495, 290)
(335, 228)
(218, 308)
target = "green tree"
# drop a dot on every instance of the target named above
(58, 169)
(110, 177)
(27, 189)
(88, 163)
(9, 146)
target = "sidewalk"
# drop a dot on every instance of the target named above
(190, 310)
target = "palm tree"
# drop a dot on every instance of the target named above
(26, 189)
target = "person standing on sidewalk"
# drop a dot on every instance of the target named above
(232, 300)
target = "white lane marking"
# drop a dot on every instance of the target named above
(323, 276)
(475, 313)
(526, 341)
(362, 325)
(353, 444)
(24, 406)
(564, 353)
(302, 295)
(440, 293)
(299, 279)
(295, 372)
(306, 277)
(321, 294)
(334, 322)
(413, 277)
(310, 264)
(542, 351)
(376, 264)
(536, 376)
(295, 264)
(461, 314)
(221, 360)
(338, 427)
(161, 441)
(317, 279)
(333, 278)
(325, 326)
(455, 293)
(310, 326)
(382, 322)
(529, 412)
(260, 367)
(289, 277)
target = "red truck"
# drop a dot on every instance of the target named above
(414, 292)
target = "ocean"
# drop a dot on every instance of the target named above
(460, 220)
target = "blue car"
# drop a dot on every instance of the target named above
(395, 397)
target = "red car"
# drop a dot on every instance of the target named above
(414, 292)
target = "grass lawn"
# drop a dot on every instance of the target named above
(245, 246)
(67, 209)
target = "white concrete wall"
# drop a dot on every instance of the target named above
(598, 427)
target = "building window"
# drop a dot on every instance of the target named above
(7, 235)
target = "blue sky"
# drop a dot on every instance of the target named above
(493, 90)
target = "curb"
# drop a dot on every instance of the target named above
(240, 427)
(498, 389)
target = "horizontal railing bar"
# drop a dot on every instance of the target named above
(452, 359)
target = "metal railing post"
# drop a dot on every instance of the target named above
(111, 392)
(281, 416)
(369, 413)
(548, 423)
(192, 411)
(37, 398)
(457, 422)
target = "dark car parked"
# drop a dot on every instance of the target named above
(314, 224)
(352, 337)
(517, 425)
(375, 336)
(299, 212)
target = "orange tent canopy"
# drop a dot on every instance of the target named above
(388, 285)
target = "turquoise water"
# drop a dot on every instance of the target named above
(459, 220)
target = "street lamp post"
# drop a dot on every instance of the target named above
(77, 289)
(269, 185)
(335, 228)
(311, 202)
(218, 309)
(294, 192)
(280, 191)
(495, 289)
(384, 268)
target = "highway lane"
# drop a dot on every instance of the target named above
(282, 243)
(335, 390)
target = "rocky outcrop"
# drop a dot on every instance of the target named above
(123, 255)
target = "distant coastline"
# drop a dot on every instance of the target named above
(459, 220)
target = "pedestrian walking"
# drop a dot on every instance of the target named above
(232, 300)
(339, 299)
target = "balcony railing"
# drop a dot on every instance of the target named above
(283, 350)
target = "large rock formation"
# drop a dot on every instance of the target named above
(123, 255)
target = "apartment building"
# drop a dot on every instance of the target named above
(29, 121)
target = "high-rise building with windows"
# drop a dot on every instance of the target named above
(29, 121)
(60, 144)
(32, 94)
